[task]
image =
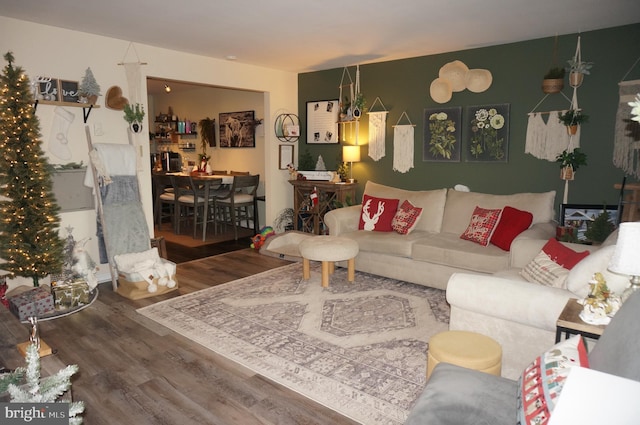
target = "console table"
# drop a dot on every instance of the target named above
(308, 217)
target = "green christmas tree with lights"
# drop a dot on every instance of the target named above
(29, 242)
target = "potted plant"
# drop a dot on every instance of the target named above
(572, 119)
(570, 161)
(553, 80)
(88, 90)
(134, 116)
(577, 70)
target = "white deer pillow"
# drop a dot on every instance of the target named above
(377, 214)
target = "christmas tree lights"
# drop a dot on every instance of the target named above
(29, 242)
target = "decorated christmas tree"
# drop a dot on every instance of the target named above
(89, 87)
(29, 221)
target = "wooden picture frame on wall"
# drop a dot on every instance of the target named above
(48, 89)
(285, 156)
(69, 91)
(322, 121)
(237, 129)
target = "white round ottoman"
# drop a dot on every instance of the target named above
(328, 249)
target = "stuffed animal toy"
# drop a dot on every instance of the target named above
(84, 264)
(293, 173)
(258, 240)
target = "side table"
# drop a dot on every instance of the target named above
(570, 323)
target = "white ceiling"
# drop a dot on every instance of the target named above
(310, 35)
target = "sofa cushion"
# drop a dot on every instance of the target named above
(596, 262)
(512, 222)
(431, 201)
(542, 381)
(460, 205)
(481, 225)
(406, 218)
(448, 249)
(377, 214)
(390, 243)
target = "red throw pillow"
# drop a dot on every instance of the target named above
(481, 226)
(563, 255)
(377, 213)
(512, 223)
(406, 218)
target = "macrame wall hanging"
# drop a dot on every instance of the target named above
(377, 131)
(134, 82)
(626, 143)
(403, 142)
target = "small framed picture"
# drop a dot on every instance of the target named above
(48, 89)
(69, 91)
(322, 121)
(285, 156)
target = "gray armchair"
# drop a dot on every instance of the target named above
(459, 396)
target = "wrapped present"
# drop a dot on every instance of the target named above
(70, 294)
(34, 302)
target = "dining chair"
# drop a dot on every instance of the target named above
(219, 172)
(233, 206)
(164, 195)
(189, 203)
(240, 173)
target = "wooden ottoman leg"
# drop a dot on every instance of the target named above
(351, 270)
(306, 269)
(325, 274)
(332, 267)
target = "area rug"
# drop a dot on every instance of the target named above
(359, 347)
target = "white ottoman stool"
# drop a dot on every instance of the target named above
(328, 249)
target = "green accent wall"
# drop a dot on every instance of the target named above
(518, 68)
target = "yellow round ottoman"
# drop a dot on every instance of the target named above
(466, 349)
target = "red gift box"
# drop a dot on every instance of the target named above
(35, 302)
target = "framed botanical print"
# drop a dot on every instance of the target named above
(487, 133)
(442, 135)
(322, 121)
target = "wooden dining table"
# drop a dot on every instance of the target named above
(207, 182)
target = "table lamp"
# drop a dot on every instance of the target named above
(626, 257)
(351, 154)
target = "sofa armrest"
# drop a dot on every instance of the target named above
(343, 220)
(515, 301)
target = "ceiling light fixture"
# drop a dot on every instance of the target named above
(231, 57)
(167, 88)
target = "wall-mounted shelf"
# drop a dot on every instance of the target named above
(86, 108)
(287, 127)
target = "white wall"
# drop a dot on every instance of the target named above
(59, 53)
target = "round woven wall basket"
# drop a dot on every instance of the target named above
(552, 85)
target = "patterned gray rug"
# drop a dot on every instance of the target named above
(358, 348)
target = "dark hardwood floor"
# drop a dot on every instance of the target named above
(133, 371)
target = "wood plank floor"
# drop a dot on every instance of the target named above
(133, 371)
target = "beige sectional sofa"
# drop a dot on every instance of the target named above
(521, 315)
(433, 251)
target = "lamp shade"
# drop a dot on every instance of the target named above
(351, 153)
(626, 257)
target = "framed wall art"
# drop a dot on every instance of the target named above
(487, 133)
(47, 89)
(322, 121)
(238, 129)
(285, 156)
(442, 135)
(69, 91)
(580, 216)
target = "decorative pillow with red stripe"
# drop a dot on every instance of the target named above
(542, 381)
